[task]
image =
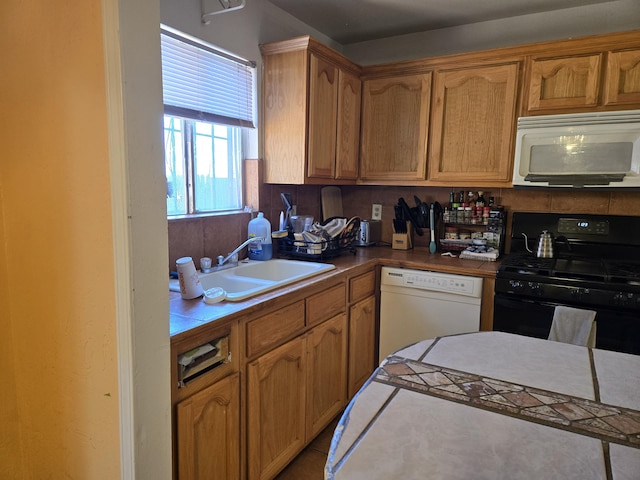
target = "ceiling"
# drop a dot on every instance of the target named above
(352, 21)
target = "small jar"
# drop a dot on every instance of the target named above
(451, 233)
(485, 215)
(467, 215)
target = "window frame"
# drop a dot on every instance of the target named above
(216, 108)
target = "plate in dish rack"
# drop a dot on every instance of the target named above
(349, 232)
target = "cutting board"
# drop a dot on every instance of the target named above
(331, 202)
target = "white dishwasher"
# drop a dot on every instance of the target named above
(416, 305)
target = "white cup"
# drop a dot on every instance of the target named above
(190, 286)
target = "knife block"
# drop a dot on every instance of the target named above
(403, 240)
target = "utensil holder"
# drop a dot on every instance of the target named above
(404, 240)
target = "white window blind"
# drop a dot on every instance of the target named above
(203, 83)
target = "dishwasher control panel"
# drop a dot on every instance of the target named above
(435, 281)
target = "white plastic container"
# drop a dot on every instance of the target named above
(260, 249)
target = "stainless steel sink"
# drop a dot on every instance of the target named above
(254, 277)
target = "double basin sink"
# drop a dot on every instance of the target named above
(251, 278)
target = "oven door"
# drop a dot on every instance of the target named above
(615, 330)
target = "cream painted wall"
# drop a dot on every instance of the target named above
(59, 370)
(83, 254)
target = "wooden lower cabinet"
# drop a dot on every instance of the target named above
(362, 347)
(293, 392)
(208, 425)
(327, 379)
(276, 408)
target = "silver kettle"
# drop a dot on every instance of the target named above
(545, 245)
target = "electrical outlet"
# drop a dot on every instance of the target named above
(294, 210)
(376, 211)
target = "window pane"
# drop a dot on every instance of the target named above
(217, 177)
(174, 162)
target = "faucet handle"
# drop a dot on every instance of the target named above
(220, 260)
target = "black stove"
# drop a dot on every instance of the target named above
(596, 266)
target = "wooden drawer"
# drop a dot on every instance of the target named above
(326, 304)
(362, 286)
(270, 330)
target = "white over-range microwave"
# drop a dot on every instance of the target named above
(584, 150)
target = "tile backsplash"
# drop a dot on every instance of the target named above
(218, 235)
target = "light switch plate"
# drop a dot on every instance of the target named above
(376, 211)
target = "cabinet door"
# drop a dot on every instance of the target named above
(209, 432)
(473, 123)
(323, 110)
(395, 125)
(564, 83)
(285, 117)
(623, 78)
(362, 343)
(348, 126)
(327, 378)
(276, 408)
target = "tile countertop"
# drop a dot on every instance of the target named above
(186, 315)
(493, 405)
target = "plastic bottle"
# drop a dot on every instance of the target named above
(260, 249)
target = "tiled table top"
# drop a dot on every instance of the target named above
(493, 405)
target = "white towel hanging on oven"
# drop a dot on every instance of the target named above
(573, 325)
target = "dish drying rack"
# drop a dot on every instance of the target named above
(322, 250)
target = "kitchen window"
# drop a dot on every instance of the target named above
(208, 104)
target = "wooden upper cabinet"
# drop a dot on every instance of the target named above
(285, 116)
(395, 120)
(348, 125)
(323, 108)
(473, 125)
(311, 105)
(623, 78)
(564, 83)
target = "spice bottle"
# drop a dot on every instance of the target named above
(480, 201)
(471, 199)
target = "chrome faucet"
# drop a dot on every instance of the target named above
(233, 256)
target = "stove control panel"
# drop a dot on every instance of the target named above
(573, 226)
(567, 294)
